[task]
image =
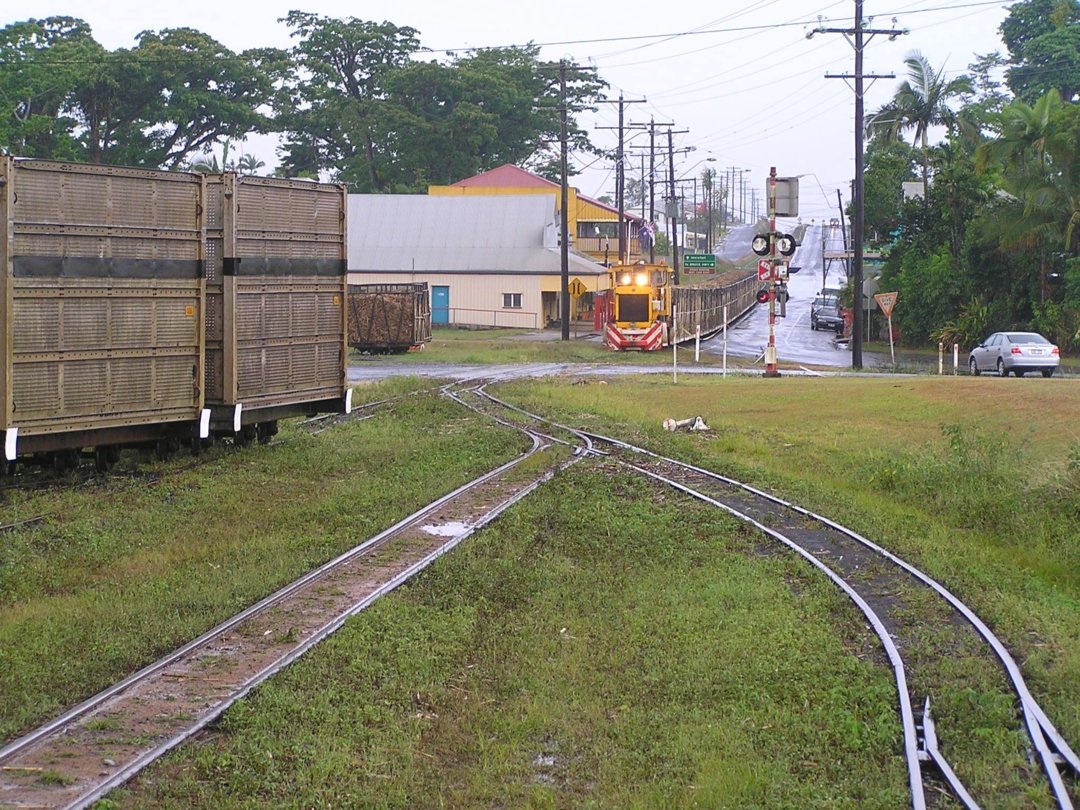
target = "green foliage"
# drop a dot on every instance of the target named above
(930, 288)
(922, 101)
(41, 62)
(1043, 39)
(888, 166)
(359, 105)
(968, 328)
(173, 96)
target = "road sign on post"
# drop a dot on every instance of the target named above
(576, 288)
(887, 301)
(699, 261)
(764, 269)
(787, 196)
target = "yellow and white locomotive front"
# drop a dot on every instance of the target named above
(640, 308)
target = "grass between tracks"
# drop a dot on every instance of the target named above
(601, 644)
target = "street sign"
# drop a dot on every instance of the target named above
(764, 269)
(702, 260)
(787, 196)
(576, 287)
(886, 301)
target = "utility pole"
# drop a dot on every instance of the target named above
(673, 207)
(707, 193)
(672, 211)
(861, 36)
(620, 175)
(732, 187)
(742, 196)
(564, 247)
(652, 125)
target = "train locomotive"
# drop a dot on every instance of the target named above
(141, 307)
(644, 310)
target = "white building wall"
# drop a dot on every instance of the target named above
(475, 299)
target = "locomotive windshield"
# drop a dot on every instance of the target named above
(633, 308)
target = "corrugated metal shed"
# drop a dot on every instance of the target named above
(467, 234)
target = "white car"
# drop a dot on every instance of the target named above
(1018, 352)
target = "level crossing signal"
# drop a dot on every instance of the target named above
(762, 244)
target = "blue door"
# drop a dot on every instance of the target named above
(440, 304)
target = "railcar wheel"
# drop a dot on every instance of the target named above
(1001, 370)
(165, 448)
(64, 460)
(266, 431)
(974, 367)
(245, 436)
(105, 458)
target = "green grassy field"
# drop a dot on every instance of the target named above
(602, 644)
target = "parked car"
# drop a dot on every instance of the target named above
(1018, 352)
(827, 316)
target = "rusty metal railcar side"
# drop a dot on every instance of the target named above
(276, 294)
(704, 306)
(102, 306)
(389, 318)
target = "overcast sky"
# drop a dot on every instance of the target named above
(740, 76)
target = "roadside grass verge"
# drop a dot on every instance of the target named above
(604, 644)
(125, 568)
(489, 346)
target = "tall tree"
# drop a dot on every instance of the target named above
(174, 95)
(921, 102)
(888, 167)
(361, 107)
(1043, 40)
(1037, 161)
(182, 92)
(41, 62)
(330, 103)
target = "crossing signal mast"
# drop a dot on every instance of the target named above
(783, 197)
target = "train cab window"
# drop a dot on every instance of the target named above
(511, 300)
(633, 308)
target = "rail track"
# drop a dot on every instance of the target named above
(104, 741)
(889, 592)
(98, 745)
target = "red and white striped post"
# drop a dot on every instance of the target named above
(770, 350)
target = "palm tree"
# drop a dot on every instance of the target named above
(205, 164)
(920, 102)
(1038, 155)
(249, 164)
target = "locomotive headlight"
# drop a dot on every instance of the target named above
(624, 279)
(641, 279)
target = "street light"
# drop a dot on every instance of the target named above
(703, 160)
(674, 210)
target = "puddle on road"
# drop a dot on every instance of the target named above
(451, 529)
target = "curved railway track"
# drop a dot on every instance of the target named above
(889, 592)
(104, 741)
